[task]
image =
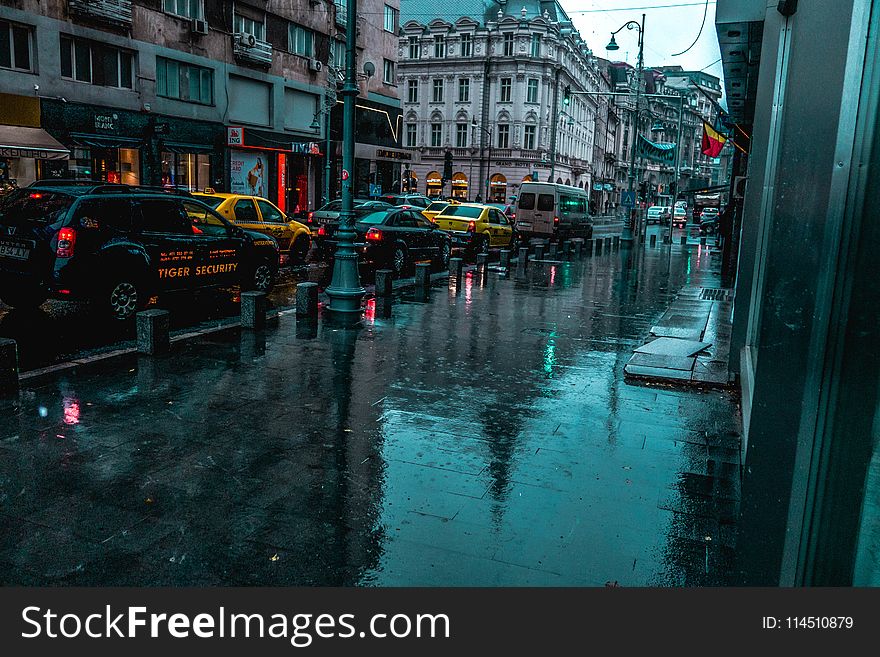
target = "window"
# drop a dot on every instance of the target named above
(203, 222)
(529, 134)
(464, 90)
(248, 25)
(545, 202)
(391, 15)
(508, 44)
(505, 89)
(527, 201)
(410, 134)
(461, 135)
(164, 216)
(270, 213)
(439, 45)
(536, 45)
(532, 91)
(467, 44)
(184, 81)
(337, 53)
(187, 8)
(15, 46)
(388, 72)
(300, 40)
(96, 63)
(503, 136)
(415, 51)
(245, 212)
(437, 96)
(412, 91)
(436, 134)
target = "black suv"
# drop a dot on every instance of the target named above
(118, 246)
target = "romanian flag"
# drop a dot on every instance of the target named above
(713, 141)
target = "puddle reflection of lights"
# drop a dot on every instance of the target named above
(43, 411)
(370, 310)
(71, 411)
(550, 355)
(468, 287)
(552, 275)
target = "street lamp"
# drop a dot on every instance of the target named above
(345, 289)
(488, 132)
(627, 234)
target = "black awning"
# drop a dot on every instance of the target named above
(182, 148)
(104, 141)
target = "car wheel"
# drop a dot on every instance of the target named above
(299, 250)
(483, 246)
(261, 278)
(398, 260)
(514, 243)
(123, 298)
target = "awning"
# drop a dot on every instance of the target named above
(104, 141)
(18, 141)
(181, 148)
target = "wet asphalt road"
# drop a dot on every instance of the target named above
(485, 437)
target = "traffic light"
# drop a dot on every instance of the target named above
(447, 166)
(566, 95)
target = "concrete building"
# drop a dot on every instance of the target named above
(183, 92)
(485, 80)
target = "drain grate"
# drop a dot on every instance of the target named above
(714, 294)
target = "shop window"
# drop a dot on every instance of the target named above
(186, 8)
(181, 81)
(16, 45)
(301, 40)
(190, 171)
(96, 63)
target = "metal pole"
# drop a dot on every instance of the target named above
(345, 290)
(630, 227)
(326, 187)
(553, 128)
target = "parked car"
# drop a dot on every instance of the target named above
(509, 209)
(708, 213)
(554, 211)
(326, 220)
(397, 237)
(709, 226)
(477, 227)
(262, 216)
(436, 207)
(418, 201)
(658, 214)
(118, 247)
(679, 217)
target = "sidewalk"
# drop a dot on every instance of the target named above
(486, 437)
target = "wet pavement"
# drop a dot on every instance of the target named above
(486, 437)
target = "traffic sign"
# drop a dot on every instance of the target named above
(628, 198)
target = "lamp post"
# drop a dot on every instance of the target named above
(627, 234)
(345, 289)
(488, 133)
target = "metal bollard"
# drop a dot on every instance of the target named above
(505, 258)
(523, 255)
(253, 310)
(307, 299)
(653, 239)
(423, 276)
(539, 251)
(153, 328)
(554, 252)
(482, 263)
(8, 367)
(455, 268)
(383, 282)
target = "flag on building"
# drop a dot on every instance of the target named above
(713, 141)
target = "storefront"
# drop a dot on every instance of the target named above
(433, 184)
(378, 169)
(459, 186)
(27, 152)
(497, 188)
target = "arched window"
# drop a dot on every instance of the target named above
(459, 186)
(433, 184)
(497, 188)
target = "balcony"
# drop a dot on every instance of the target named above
(111, 12)
(249, 49)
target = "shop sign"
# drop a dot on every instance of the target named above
(235, 136)
(305, 148)
(105, 121)
(609, 187)
(27, 152)
(393, 155)
(248, 173)
(598, 187)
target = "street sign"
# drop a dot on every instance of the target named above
(628, 198)
(344, 174)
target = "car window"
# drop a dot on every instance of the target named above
(212, 201)
(245, 212)
(271, 213)
(204, 222)
(436, 206)
(164, 216)
(112, 213)
(422, 221)
(527, 201)
(463, 212)
(406, 219)
(420, 202)
(545, 202)
(374, 218)
(38, 207)
(500, 218)
(331, 206)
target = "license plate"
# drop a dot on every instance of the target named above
(522, 224)
(14, 251)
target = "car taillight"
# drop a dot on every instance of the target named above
(555, 221)
(311, 214)
(472, 227)
(66, 243)
(321, 231)
(374, 235)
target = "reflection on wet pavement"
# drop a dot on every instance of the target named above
(484, 437)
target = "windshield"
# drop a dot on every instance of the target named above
(373, 218)
(25, 205)
(463, 212)
(211, 201)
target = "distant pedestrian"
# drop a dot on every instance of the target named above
(479, 199)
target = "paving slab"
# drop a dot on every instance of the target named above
(673, 347)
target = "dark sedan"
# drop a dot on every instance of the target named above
(397, 238)
(325, 222)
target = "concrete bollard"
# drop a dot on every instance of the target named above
(153, 329)
(253, 310)
(307, 299)
(383, 282)
(684, 239)
(523, 255)
(553, 253)
(578, 246)
(423, 275)
(598, 246)
(615, 242)
(8, 367)
(607, 245)
(588, 247)
(653, 239)
(456, 266)
(482, 263)
(703, 241)
(505, 258)
(539, 251)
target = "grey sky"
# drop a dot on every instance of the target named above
(667, 30)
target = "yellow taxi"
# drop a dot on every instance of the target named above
(477, 227)
(437, 207)
(262, 216)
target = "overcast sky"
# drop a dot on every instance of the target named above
(667, 30)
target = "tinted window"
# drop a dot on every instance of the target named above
(527, 201)
(212, 201)
(436, 206)
(109, 213)
(332, 206)
(545, 202)
(164, 216)
(271, 213)
(245, 212)
(419, 202)
(373, 218)
(405, 219)
(422, 222)
(26, 205)
(204, 222)
(463, 212)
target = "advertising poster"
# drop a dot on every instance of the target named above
(249, 173)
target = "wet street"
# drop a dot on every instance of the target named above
(484, 437)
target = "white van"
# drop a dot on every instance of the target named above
(554, 211)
